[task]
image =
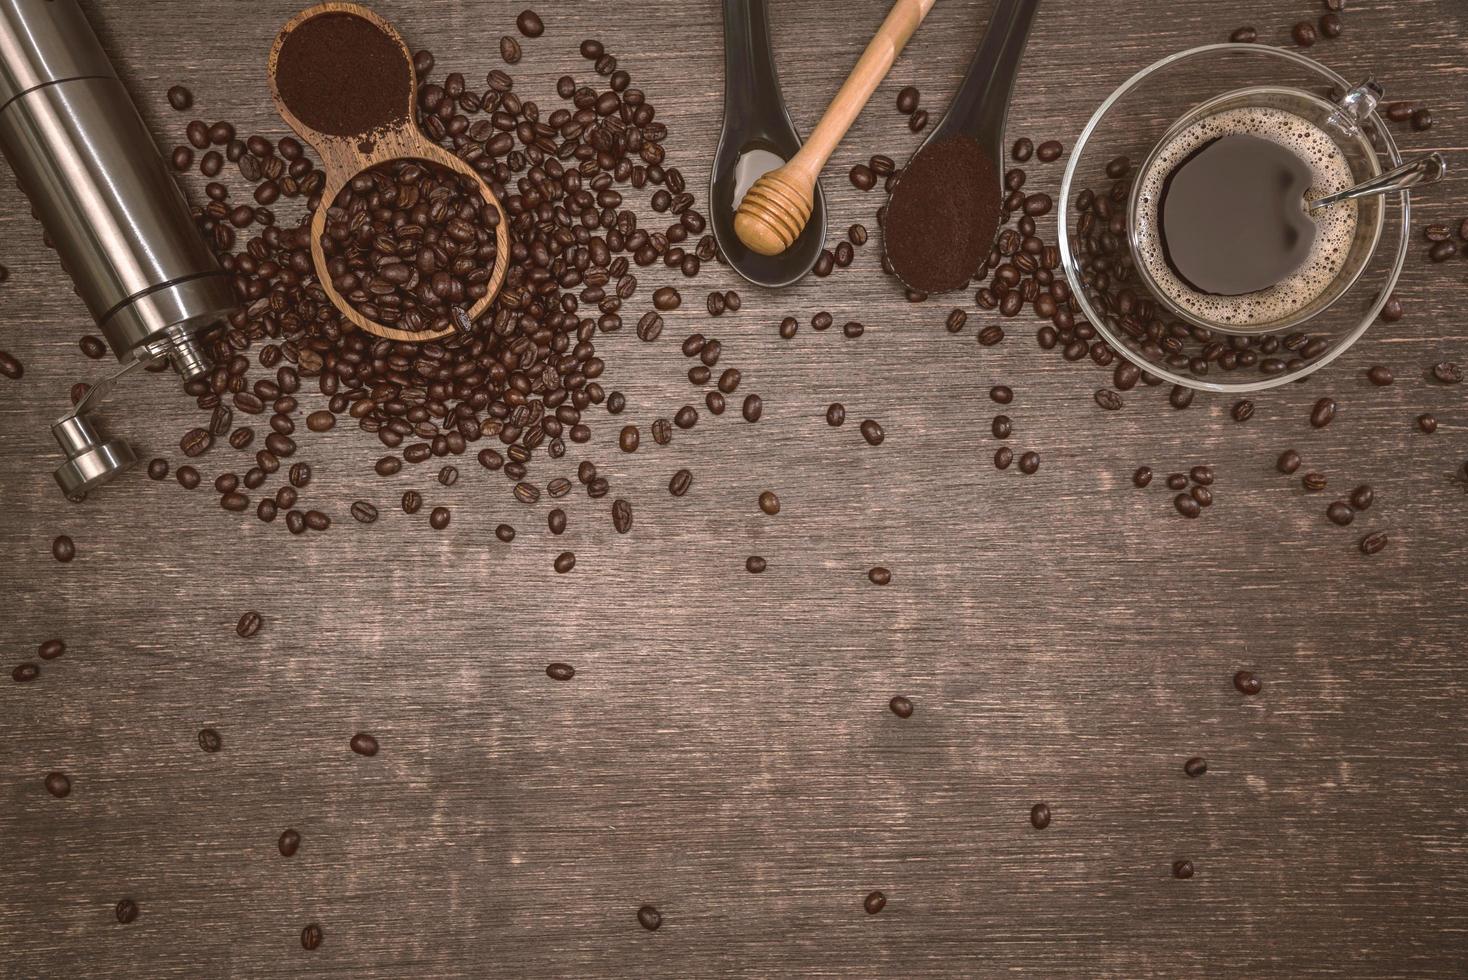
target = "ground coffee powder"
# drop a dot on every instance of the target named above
(341, 75)
(943, 216)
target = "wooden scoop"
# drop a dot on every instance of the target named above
(344, 157)
(778, 206)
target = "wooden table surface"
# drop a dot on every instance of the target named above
(725, 751)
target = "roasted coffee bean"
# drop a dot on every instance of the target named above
(1142, 476)
(621, 516)
(1002, 427)
(565, 562)
(1442, 251)
(879, 576)
(1340, 513)
(1361, 499)
(874, 903)
(1201, 475)
(1379, 375)
(789, 327)
(753, 408)
(1427, 423)
(289, 842)
(196, 442)
(679, 484)
(1373, 543)
(1003, 456)
(1202, 495)
(901, 706)
(1040, 816)
(556, 521)
(1180, 397)
(769, 503)
(413, 501)
(857, 235)
(1437, 233)
(509, 50)
(1195, 767)
(1422, 119)
(649, 918)
(918, 120)
(63, 549)
(300, 475)
(686, 417)
(907, 100)
(755, 565)
(363, 744)
(249, 624)
(320, 421)
(650, 326)
(158, 469)
(1182, 869)
(1177, 481)
(530, 24)
(388, 465)
(1243, 410)
(210, 740)
(25, 673)
(862, 177)
(1245, 682)
(853, 329)
(1001, 394)
(438, 518)
(1323, 412)
(1023, 150)
(1244, 35)
(1108, 399)
(835, 414)
(871, 431)
(311, 936)
(1288, 462)
(364, 513)
(1049, 151)
(58, 784)
(1447, 373)
(295, 522)
(1029, 463)
(1304, 34)
(10, 367)
(1392, 310)
(51, 649)
(1187, 506)
(126, 911)
(662, 430)
(93, 346)
(187, 477)
(1313, 482)
(667, 298)
(180, 98)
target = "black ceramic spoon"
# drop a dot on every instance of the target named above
(758, 137)
(980, 107)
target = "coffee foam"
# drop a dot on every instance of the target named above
(1335, 227)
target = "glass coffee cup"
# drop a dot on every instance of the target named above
(1111, 249)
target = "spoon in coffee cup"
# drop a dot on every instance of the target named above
(1424, 170)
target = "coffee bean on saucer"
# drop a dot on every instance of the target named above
(1040, 816)
(1195, 767)
(901, 706)
(560, 672)
(1323, 412)
(311, 936)
(1373, 543)
(1379, 375)
(1244, 35)
(363, 744)
(1304, 34)
(1247, 683)
(874, 902)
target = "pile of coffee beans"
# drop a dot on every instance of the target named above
(411, 245)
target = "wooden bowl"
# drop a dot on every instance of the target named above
(344, 157)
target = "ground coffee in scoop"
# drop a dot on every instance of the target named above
(341, 75)
(943, 216)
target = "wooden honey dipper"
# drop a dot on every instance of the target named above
(778, 206)
(379, 141)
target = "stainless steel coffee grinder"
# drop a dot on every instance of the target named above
(111, 210)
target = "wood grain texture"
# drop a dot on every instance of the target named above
(725, 751)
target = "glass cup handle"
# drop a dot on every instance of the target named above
(1358, 104)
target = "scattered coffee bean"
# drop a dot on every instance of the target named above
(1195, 767)
(25, 673)
(58, 784)
(1422, 119)
(880, 576)
(1142, 476)
(1392, 310)
(755, 565)
(1379, 375)
(630, 439)
(1447, 372)
(63, 549)
(621, 516)
(1187, 506)
(364, 513)
(1323, 412)
(413, 501)
(187, 477)
(556, 521)
(679, 484)
(289, 842)
(1340, 513)
(1023, 150)
(769, 503)
(126, 911)
(908, 99)
(363, 744)
(1243, 410)
(51, 649)
(249, 624)
(1361, 498)
(753, 408)
(901, 706)
(1313, 482)
(530, 24)
(1304, 34)
(1182, 869)
(1427, 423)
(1040, 816)
(180, 98)
(872, 432)
(439, 518)
(210, 740)
(1247, 683)
(1049, 151)
(311, 936)
(1108, 399)
(564, 562)
(10, 367)
(1288, 462)
(874, 903)
(649, 918)
(667, 298)
(1373, 543)
(1029, 463)
(1244, 35)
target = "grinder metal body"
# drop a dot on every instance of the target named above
(111, 209)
